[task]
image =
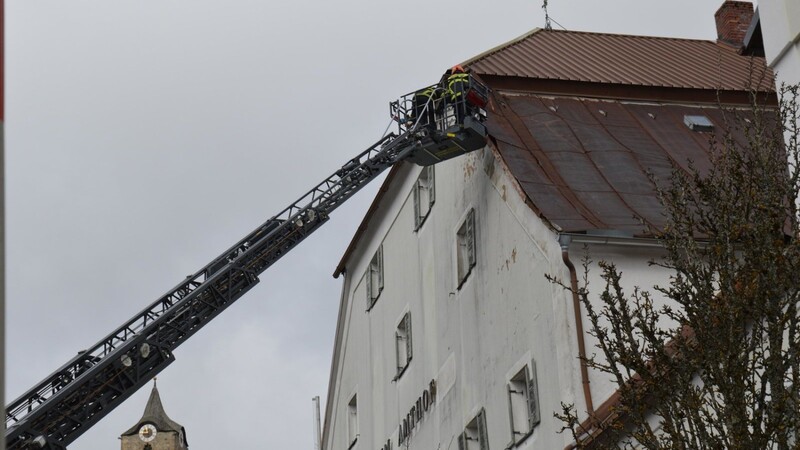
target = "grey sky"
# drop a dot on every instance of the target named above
(143, 138)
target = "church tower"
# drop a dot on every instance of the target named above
(155, 430)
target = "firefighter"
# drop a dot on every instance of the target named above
(425, 101)
(457, 85)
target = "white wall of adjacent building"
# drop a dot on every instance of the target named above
(780, 28)
(471, 340)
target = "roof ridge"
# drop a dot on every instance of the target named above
(619, 59)
(519, 39)
(637, 36)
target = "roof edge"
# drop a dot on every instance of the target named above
(364, 225)
(500, 47)
(335, 360)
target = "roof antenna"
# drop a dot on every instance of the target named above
(547, 25)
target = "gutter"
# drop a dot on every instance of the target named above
(564, 240)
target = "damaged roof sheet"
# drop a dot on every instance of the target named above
(586, 164)
(583, 157)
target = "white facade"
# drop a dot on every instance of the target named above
(780, 28)
(475, 341)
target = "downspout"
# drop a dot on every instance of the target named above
(564, 241)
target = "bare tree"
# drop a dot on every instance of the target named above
(726, 375)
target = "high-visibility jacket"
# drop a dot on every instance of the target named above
(421, 97)
(457, 84)
(425, 94)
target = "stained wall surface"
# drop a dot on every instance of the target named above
(470, 340)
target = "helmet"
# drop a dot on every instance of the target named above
(457, 69)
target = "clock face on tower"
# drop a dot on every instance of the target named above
(147, 432)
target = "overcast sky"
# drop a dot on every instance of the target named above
(145, 137)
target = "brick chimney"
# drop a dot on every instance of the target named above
(733, 20)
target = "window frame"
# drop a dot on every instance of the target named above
(523, 400)
(352, 421)
(403, 333)
(465, 248)
(476, 430)
(426, 183)
(375, 275)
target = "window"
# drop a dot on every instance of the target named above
(474, 436)
(403, 344)
(375, 278)
(465, 247)
(352, 421)
(523, 403)
(424, 196)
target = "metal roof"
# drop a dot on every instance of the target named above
(562, 120)
(584, 164)
(623, 59)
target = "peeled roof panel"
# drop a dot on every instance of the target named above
(527, 168)
(552, 204)
(595, 137)
(593, 170)
(553, 133)
(636, 140)
(502, 130)
(624, 172)
(624, 59)
(578, 171)
(525, 105)
(647, 207)
(609, 206)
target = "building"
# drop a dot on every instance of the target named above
(776, 29)
(155, 430)
(449, 335)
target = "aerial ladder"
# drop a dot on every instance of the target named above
(60, 408)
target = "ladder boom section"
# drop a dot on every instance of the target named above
(67, 403)
(61, 407)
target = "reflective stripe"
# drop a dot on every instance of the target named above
(425, 93)
(461, 78)
(457, 78)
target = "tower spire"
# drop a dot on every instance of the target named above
(154, 414)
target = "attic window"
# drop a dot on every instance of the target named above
(698, 123)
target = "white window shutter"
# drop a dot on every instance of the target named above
(431, 186)
(370, 297)
(417, 206)
(534, 416)
(462, 441)
(398, 344)
(511, 412)
(380, 268)
(483, 435)
(408, 336)
(471, 237)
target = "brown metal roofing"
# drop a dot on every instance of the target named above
(583, 169)
(623, 59)
(584, 163)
